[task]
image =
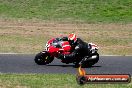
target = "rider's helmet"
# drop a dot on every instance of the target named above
(72, 38)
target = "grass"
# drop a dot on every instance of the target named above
(91, 11)
(49, 81)
(21, 43)
(21, 33)
(26, 25)
(31, 36)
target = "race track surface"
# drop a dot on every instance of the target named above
(25, 64)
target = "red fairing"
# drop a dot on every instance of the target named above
(52, 49)
(64, 48)
(50, 41)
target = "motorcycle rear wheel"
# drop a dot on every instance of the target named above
(89, 62)
(43, 58)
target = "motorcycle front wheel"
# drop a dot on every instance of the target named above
(43, 58)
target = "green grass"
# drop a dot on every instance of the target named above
(49, 81)
(91, 11)
(111, 42)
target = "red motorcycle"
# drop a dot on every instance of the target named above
(57, 45)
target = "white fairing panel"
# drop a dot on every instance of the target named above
(94, 47)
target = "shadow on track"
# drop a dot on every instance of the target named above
(93, 67)
(74, 66)
(62, 65)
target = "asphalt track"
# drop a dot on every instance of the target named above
(25, 64)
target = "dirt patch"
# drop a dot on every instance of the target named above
(62, 25)
(105, 35)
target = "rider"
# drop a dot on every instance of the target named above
(79, 47)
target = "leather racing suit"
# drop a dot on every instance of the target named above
(80, 48)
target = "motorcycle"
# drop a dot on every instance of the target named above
(55, 46)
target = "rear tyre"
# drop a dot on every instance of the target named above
(43, 58)
(90, 60)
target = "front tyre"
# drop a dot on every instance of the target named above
(43, 58)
